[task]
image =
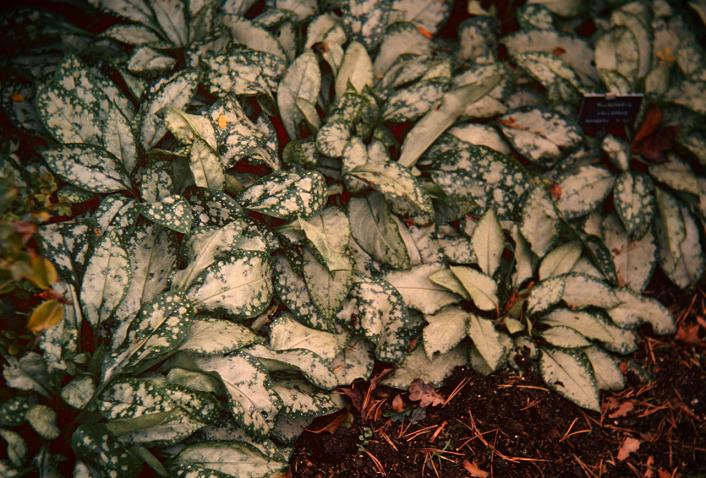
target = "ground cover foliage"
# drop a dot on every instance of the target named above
(231, 209)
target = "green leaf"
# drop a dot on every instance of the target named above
(379, 314)
(16, 447)
(238, 284)
(418, 291)
(634, 202)
(105, 456)
(569, 373)
(326, 289)
(155, 333)
(287, 194)
(222, 459)
(540, 135)
(329, 234)
(253, 402)
(89, 167)
(211, 336)
(482, 288)
(560, 260)
(583, 190)
(440, 117)
(106, 280)
(488, 242)
(374, 229)
(634, 259)
(300, 86)
(43, 420)
(12, 411)
(418, 366)
(172, 92)
(445, 330)
(487, 340)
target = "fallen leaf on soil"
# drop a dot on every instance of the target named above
(649, 464)
(354, 395)
(689, 334)
(398, 404)
(623, 409)
(332, 426)
(629, 445)
(425, 394)
(664, 474)
(649, 125)
(473, 469)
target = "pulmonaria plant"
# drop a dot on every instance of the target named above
(258, 229)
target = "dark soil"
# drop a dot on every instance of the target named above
(510, 425)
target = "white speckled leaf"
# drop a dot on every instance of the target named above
(329, 233)
(78, 392)
(172, 212)
(16, 448)
(379, 314)
(27, 373)
(300, 85)
(583, 190)
(444, 330)
(560, 260)
(238, 284)
(327, 289)
(152, 254)
(617, 51)
(634, 202)
(540, 135)
(418, 366)
(488, 242)
(287, 194)
(172, 92)
(634, 259)
(487, 340)
(582, 291)
(545, 294)
(299, 399)
(356, 69)
(569, 373)
(223, 459)
(418, 291)
(374, 229)
(43, 419)
(172, 20)
(481, 287)
(288, 334)
(539, 221)
(118, 139)
(441, 116)
(100, 450)
(291, 289)
(211, 336)
(147, 61)
(206, 166)
(252, 401)
(634, 309)
(606, 369)
(564, 337)
(429, 14)
(676, 174)
(106, 280)
(153, 334)
(593, 326)
(89, 167)
(243, 72)
(253, 36)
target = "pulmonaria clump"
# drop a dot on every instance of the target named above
(269, 197)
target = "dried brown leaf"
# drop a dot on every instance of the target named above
(474, 470)
(425, 394)
(398, 404)
(629, 446)
(623, 409)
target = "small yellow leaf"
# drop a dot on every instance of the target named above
(17, 97)
(46, 315)
(43, 273)
(222, 121)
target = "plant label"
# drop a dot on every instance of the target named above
(611, 113)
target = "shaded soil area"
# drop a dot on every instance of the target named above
(510, 425)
